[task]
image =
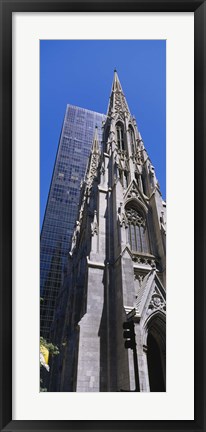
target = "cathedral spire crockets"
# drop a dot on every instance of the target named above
(93, 160)
(86, 187)
(117, 104)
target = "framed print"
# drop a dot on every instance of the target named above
(139, 367)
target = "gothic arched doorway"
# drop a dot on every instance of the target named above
(155, 367)
(156, 352)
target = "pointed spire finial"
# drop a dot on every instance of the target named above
(95, 147)
(116, 82)
(117, 102)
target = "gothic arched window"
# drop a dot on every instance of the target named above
(137, 231)
(120, 136)
(132, 139)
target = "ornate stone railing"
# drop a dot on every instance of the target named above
(144, 258)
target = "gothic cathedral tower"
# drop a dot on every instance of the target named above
(116, 267)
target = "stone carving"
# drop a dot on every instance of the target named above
(135, 217)
(120, 105)
(92, 168)
(122, 217)
(151, 170)
(74, 237)
(94, 224)
(163, 223)
(102, 171)
(122, 154)
(153, 176)
(139, 259)
(133, 192)
(139, 157)
(156, 302)
(118, 101)
(140, 278)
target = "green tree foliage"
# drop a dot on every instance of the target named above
(53, 349)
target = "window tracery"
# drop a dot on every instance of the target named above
(132, 140)
(120, 137)
(137, 231)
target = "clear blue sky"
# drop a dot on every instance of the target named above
(81, 73)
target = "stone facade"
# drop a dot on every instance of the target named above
(117, 263)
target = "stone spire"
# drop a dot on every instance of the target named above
(95, 145)
(116, 85)
(117, 266)
(93, 159)
(117, 104)
(86, 188)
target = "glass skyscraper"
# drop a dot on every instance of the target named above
(62, 204)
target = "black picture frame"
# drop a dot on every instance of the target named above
(7, 8)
